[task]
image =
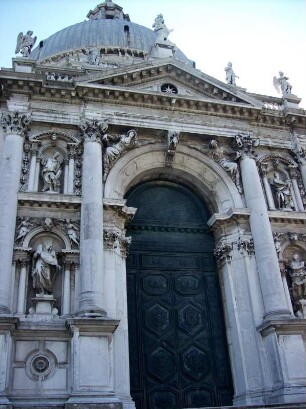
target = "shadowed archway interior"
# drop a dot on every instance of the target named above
(178, 350)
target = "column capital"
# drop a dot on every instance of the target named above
(223, 252)
(245, 144)
(92, 129)
(16, 122)
(263, 166)
(34, 147)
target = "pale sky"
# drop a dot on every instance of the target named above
(259, 37)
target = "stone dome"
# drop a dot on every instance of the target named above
(107, 28)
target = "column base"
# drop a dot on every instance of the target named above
(92, 313)
(93, 402)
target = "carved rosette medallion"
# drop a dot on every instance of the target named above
(40, 365)
(92, 129)
(16, 123)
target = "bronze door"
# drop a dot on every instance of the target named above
(178, 350)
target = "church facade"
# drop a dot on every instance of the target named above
(152, 227)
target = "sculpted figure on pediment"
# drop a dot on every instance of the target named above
(115, 146)
(230, 75)
(281, 84)
(160, 29)
(219, 154)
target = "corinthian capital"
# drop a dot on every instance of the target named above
(92, 129)
(245, 143)
(15, 122)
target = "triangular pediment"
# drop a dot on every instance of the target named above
(166, 76)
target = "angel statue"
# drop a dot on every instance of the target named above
(25, 43)
(281, 84)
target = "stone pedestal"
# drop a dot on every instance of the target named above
(43, 306)
(92, 363)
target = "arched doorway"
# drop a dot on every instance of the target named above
(178, 353)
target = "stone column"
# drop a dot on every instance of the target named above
(22, 286)
(15, 126)
(294, 176)
(32, 171)
(66, 289)
(71, 155)
(274, 297)
(66, 164)
(91, 302)
(267, 186)
(37, 171)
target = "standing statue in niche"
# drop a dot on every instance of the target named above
(281, 84)
(297, 272)
(51, 173)
(217, 153)
(160, 29)
(230, 75)
(282, 193)
(45, 262)
(121, 144)
(25, 43)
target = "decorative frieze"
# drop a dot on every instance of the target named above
(71, 228)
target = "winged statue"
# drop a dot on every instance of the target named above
(25, 43)
(281, 84)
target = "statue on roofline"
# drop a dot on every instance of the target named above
(230, 75)
(25, 43)
(281, 84)
(160, 29)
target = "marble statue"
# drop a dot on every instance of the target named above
(45, 261)
(93, 56)
(281, 84)
(218, 154)
(25, 43)
(282, 192)
(160, 29)
(230, 75)
(72, 232)
(113, 151)
(23, 229)
(51, 173)
(297, 273)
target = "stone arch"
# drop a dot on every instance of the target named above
(48, 134)
(190, 167)
(41, 231)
